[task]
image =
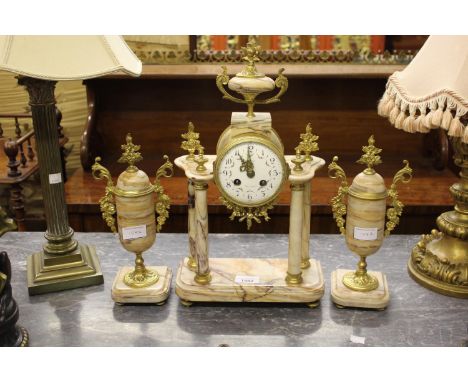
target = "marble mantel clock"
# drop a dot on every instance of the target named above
(250, 169)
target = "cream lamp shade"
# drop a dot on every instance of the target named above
(432, 91)
(67, 57)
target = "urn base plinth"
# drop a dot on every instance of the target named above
(156, 293)
(342, 296)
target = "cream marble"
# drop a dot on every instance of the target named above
(154, 294)
(365, 213)
(309, 169)
(250, 85)
(306, 226)
(192, 224)
(201, 230)
(189, 168)
(272, 286)
(296, 216)
(136, 211)
(343, 296)
(260, 124)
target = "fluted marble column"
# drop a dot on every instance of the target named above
(201, 245)
(294, 275)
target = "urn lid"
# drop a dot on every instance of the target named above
(132, 180)
(249, 81)
(369, 184)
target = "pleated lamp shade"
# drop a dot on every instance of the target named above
(432, 91)
(67, 57)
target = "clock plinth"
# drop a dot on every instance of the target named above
(250, 280)
(342, 296)
(156, 293)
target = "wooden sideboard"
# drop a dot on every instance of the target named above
(339, 100)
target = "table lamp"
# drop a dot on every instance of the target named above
(431, 93)
(41, 61)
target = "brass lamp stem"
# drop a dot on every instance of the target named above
(59, 235)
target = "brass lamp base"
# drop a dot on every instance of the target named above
(47, 273)
(440, 263)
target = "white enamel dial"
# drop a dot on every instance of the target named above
(250, 173)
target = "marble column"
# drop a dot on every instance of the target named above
(192, 227)
(305, 263)
(201, 234)
(294, 275)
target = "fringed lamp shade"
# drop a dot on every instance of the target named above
(67, 57)
(432, 91)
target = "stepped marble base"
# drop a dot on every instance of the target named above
(154, 294)
(345, 297)
(263, 281)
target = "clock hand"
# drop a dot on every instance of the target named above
(242, 168)
(249, 165)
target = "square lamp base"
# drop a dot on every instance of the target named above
(154, 294)
(342, 296)
(56, 273)
(250, 280)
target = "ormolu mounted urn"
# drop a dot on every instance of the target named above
(133, 200)
(365, 212)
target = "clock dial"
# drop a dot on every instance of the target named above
(250, 173)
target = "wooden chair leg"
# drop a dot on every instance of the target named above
(17, 206)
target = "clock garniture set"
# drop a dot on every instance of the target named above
(250, 170)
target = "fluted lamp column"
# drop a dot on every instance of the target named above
(431, 93)
(41, 61)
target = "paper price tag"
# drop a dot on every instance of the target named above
(357, 340)
(365, 233)
(247, 279)
(135, 232)
(55, 178)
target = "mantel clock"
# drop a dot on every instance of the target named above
(250, 170)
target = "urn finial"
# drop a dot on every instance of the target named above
(131, 154)
(370, 156)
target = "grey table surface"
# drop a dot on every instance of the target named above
(88, 316)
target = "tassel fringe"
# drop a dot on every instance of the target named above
(443, 111)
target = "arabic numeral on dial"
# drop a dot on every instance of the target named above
(229, 161)
(272, 160)
(228, 185)
(249, 196)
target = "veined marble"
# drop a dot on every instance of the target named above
(271, 285)
(154, 294)
(375, 299)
